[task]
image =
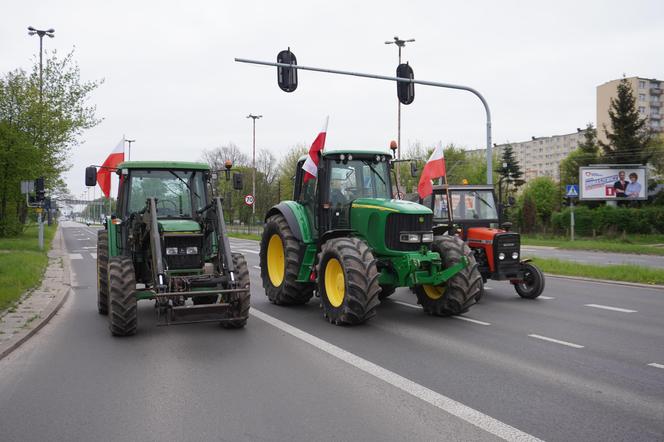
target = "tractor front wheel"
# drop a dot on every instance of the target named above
(102, 272)
(123, 312)
(347, 281)
(460, 291)
(241, 301)
(532, 284)
(280, 264)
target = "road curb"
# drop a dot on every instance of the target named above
(52, 308)
(607, 281)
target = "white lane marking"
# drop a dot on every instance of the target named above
(82, 239)
(474, 321)
(94, 255)
(257, 267)
(546, 297)
(248, 251)
(444, 403)
(613, 309)
(544, 338)
(89, 247)
(656, 365)
(488, 288)
(75, 256)
(463, 318)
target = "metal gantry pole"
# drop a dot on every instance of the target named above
(129, 149)
(253, 165)
(489, 151)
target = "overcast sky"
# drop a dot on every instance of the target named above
(171, 82)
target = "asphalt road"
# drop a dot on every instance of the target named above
(597, 258)
(583, 362)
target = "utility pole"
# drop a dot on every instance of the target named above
(129, 150)
(253, 166)
(50, 33)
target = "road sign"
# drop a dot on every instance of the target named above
(249, 200)
(572, 191)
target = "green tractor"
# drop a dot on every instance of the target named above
(168, 243)
(346, 239)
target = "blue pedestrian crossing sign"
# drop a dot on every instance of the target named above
(572, 191)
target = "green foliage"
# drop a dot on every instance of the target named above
(544, 194)
(611, 221)
(614, 272)
(36, 134)
(628, 137)
(528, 213)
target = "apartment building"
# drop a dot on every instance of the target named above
(648, 96)
(539, 156)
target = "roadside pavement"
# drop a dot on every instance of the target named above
(592, 257)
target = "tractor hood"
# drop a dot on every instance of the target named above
(179, 225)
(387, 205)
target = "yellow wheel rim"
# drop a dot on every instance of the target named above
(276, 262)
(434, 291)
(335, 282)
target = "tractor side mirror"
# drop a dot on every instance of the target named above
(287, 77)
(405, 91)
(413, 169)
(237, 181)
(91, 176)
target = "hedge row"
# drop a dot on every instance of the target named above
(607, 220)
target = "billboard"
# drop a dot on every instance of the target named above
(613, 183)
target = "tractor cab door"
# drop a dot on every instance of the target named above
(306, 193)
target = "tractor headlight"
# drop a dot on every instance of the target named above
(515, 255)
(501, 256)
(192, 250)
(409, 237)
(171, 250)
(427, 237)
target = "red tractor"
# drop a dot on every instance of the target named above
(473, 215)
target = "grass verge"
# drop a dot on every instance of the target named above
(245, 236)
(637, 244)
(622, 272)
(22, 264)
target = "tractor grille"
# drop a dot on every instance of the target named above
(399, 222)
(182, 260)
(507, 243)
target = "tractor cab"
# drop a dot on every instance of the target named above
(471, 212)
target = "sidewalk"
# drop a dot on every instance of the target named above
(36, 307)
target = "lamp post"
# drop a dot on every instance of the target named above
(400, 44)
(129, 151)
(253, 165)
(50, 33)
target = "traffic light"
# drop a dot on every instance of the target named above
(237, 181)
(287, 77)
(405, 91)
(39, 189)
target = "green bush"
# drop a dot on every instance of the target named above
(610, 221)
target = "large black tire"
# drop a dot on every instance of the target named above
(241, 301)
(347, 281)
(280, 264)
(123, 312)
(102, 272)
(533, 282)
(386, 291)
(461, 291)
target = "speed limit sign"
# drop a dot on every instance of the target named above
(249, 200)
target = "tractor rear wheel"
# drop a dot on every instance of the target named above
(533, 282)
(459, 292)
(280, 264)
(241, 302)
(123, 312)
(102, 272)
(347, 281)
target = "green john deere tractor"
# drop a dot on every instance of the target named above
(168, 243)
(345, 238)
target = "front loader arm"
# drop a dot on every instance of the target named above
(224, 252)
(155, 243)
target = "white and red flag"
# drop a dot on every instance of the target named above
(310, 165)
(434, 168)
(111, 163)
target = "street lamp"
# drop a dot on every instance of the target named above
(400, 44)
(50, 33)
(129, 151)
(253, 165)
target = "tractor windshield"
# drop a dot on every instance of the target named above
(358, 179)
(466, 205)
(176, 191)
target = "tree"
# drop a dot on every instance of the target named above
(217, 157)
(586, 153)
(287, 169)
(545, 195)
(629, 136)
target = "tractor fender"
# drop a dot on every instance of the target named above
(296, 217)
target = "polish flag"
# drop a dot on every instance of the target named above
(434, 168)
(310, 166)
(111, 163)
